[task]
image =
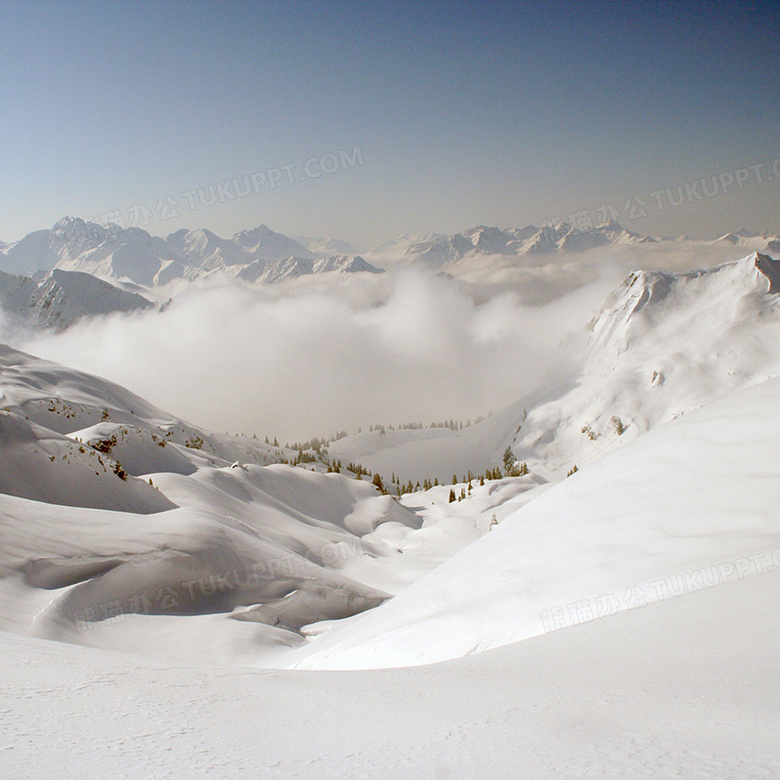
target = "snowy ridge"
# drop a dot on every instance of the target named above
(328, 247)
(61, 298)
(519, 242)
(531, 244)
(273, 271)
(663, 344)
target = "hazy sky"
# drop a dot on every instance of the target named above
(462, 113)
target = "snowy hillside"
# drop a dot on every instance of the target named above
(662, 345)
(73, 403)
(686, 507)
(640, 586)
(683, 688)
(105, 499)
(61, 298)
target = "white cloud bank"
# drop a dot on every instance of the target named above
(316, 355)
(401, 347)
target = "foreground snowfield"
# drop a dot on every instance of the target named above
(281, 622)
(687, 687)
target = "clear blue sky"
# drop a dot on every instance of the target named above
(464, 112)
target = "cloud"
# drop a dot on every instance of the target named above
(317, 354)
(403, 346)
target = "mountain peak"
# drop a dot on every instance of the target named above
(769, 268)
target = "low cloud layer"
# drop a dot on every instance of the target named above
(310, 358)
(406, 347)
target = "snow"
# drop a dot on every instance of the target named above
(274, 271)
(61, 298)
(42, 465)
(662, 345)
(133, 255)
(182, 604)
(687, 687)
(686, 499)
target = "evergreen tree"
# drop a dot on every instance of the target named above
(509, 459)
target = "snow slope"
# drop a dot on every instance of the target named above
(687, 687)
(261, 547)
(682, 507)
(662, 345)
(250, 554)
(69, 402)
(644, 586)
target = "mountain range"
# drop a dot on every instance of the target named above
(134, 256)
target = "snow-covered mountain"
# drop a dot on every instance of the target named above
(60, 298)
(487, 248)
(328, 247)
(134, 255)
(662, 345)
(272, 271)
(231, 536)
(688, 507)
(764, 242)
(437, 250)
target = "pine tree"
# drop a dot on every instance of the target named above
(509, 459)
